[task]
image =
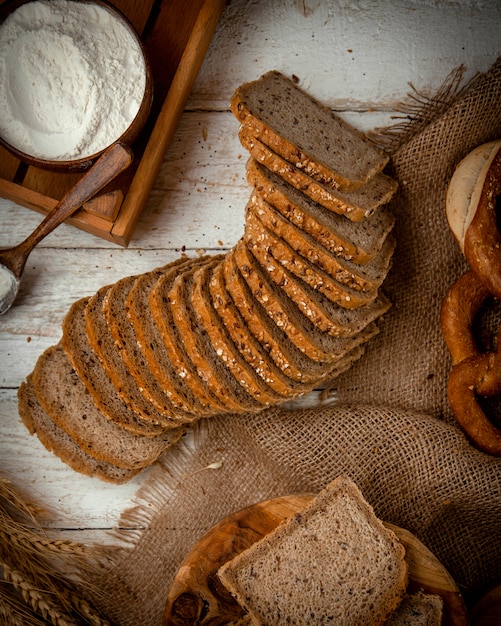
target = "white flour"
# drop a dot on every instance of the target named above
(72, 78)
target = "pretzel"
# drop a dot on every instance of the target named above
(471, 213)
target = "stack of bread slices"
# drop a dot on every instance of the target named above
(287, 309)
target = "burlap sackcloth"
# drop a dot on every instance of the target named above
(411, 461)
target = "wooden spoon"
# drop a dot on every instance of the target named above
(112, 162)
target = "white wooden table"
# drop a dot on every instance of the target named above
(357, 57)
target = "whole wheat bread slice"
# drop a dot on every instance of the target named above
(66, 400)
(94, 377)
(356, 241)
(110, 357)
(57, 441)
(335, 562)
(417, 609)
(160, 375)
(356, 206)
(361, 277)
(257, 235)
(306, 133)
(194, 352)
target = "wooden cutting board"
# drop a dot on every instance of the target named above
(197, 597)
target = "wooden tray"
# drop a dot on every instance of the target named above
(176, 35)
(197, 597)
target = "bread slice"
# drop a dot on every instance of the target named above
(224, 347)
(326, 315)
(248, 345)
(159, 375)
(257, 235)
(306, 133)
(317, 345)
(57, 441)
(333, 563)
(110, 357)
(417, 609)
(66, 400)
(356, 241)
(361, 277)
(94, 377)
(194, 353)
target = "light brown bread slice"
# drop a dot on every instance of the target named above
(223, 344)
(57, 441)
(110, 357)
(333, 563)
(257, 235)
(306, 133)
(249, 347)
(356, 206)
(417, 609)
(356, 241)
(94, 377)
(196, 353)
(326, 315)
(66, 400)
(159, 375)
(361, 277)
(315, 344)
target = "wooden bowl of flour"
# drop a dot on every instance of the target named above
(75, 80)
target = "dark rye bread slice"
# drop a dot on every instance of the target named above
(226, 349)
(306, 133)
(257, 235)
(148, 356)
(247, 344)
(317, 345)
(110, 357)
(326, 315)
(366, 277)
(88, 367)
(357, 241)
(57, 441)
(196, 353)
(356, 206)
(66, 400)
(334, 562)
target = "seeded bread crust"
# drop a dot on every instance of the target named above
(257, 235)
(356, 241)
(354, 206)
(315, 344)
(209, 366)
(153, 349)
(103, 344)
(306, 133)
(97, 382)
(204, 307)
(335, 562)
(326, 315)
(57, 441)
(359, 277)
(249, 347)
(66, 400)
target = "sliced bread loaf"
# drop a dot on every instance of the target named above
(223, 344)
(356, 206)
(356, 241)
(366, 277)
(333, 563)
(257, 235)
(417, 609)
(198, 353)
(110, 357)
(66, 400)
(306, 133)
(57, 441)
(94, 377)
(160, 374)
